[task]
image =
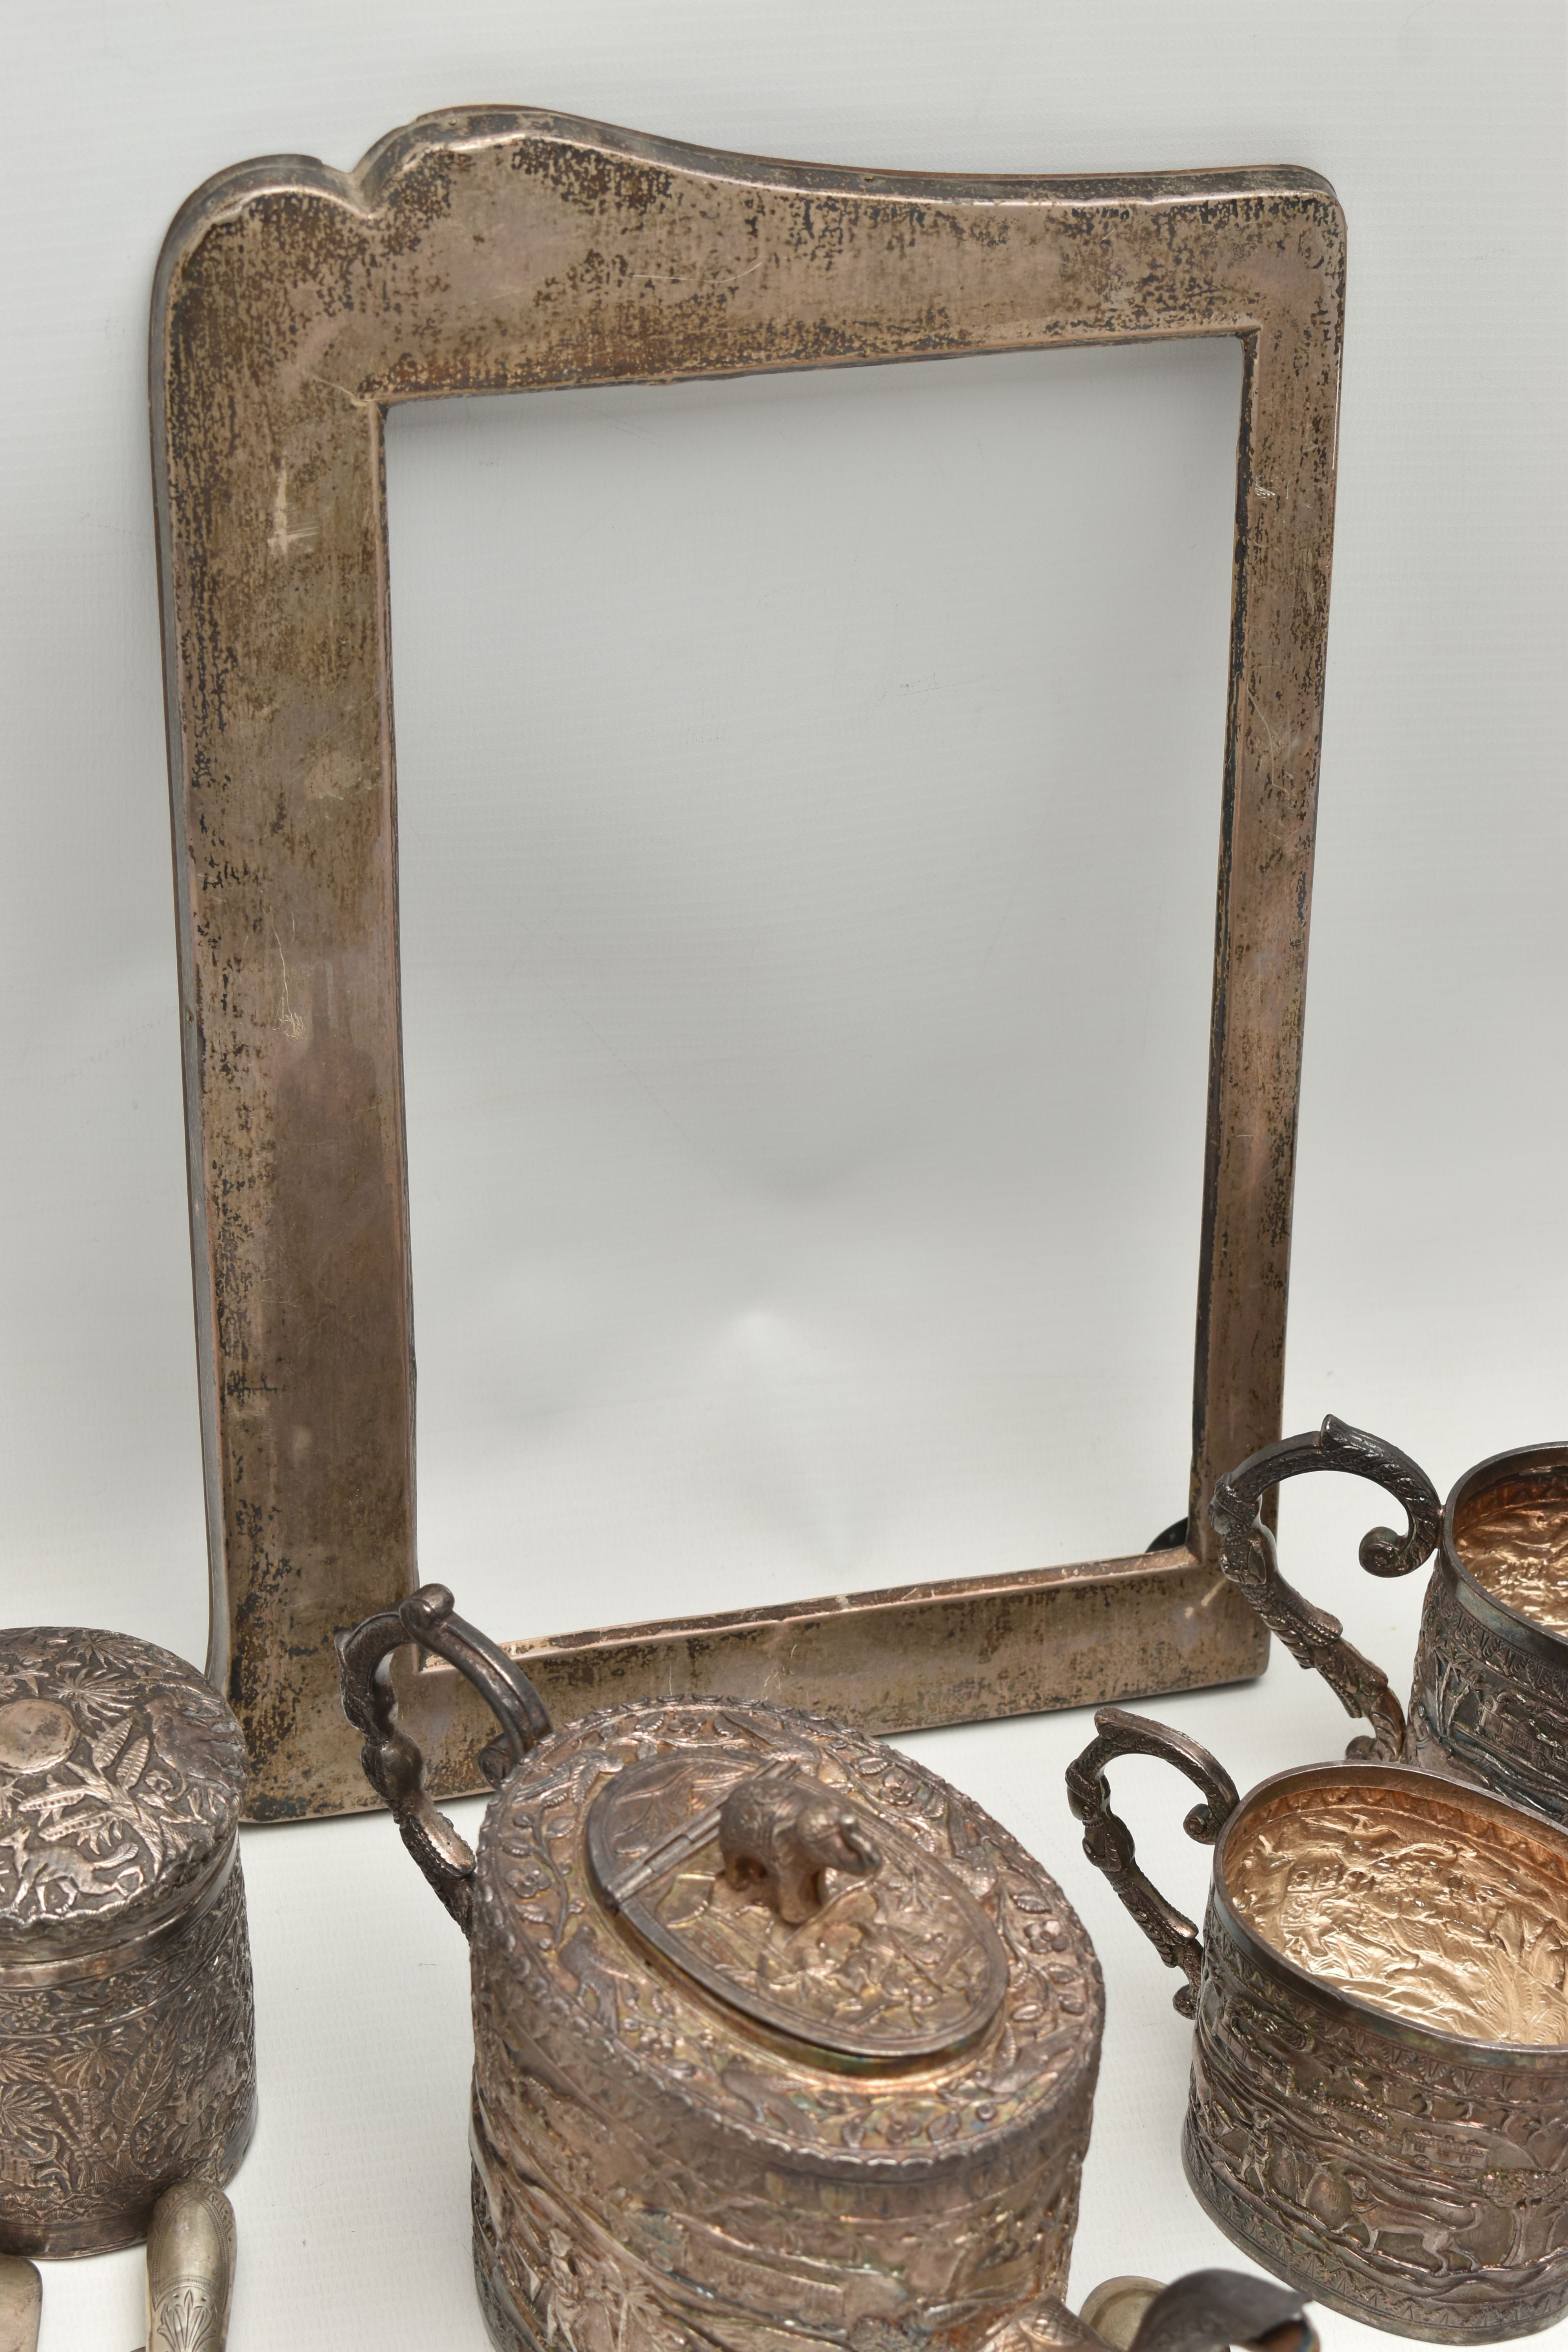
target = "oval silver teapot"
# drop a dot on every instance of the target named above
(779, 2040)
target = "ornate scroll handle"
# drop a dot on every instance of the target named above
(393, 1763)
(1108, 1840)
(1248, 1556)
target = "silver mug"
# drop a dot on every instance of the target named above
(1379, 2097)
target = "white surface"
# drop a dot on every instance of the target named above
(839, 914)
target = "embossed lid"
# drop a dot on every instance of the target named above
(808, 1912)
(740, 1907)
(120, 1777)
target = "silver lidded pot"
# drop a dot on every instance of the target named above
(779, 2040)
(127, 2036)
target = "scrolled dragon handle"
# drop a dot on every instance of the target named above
(1250, 1559)
(1108, 1840)
(392, 1761)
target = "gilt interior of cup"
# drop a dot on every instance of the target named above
(1505, 1533)
(1421, 1908)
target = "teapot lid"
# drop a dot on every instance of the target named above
(122, 1772)
(809, 1913)
(783, 1927)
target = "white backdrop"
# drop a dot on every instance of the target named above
(809, 801)
(807, 886)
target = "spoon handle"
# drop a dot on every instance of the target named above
(190, 2268)
(21, 2301)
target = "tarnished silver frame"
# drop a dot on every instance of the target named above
(513, 250)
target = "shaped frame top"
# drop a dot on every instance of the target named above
(506, 250)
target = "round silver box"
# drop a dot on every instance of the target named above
(127, 2040)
